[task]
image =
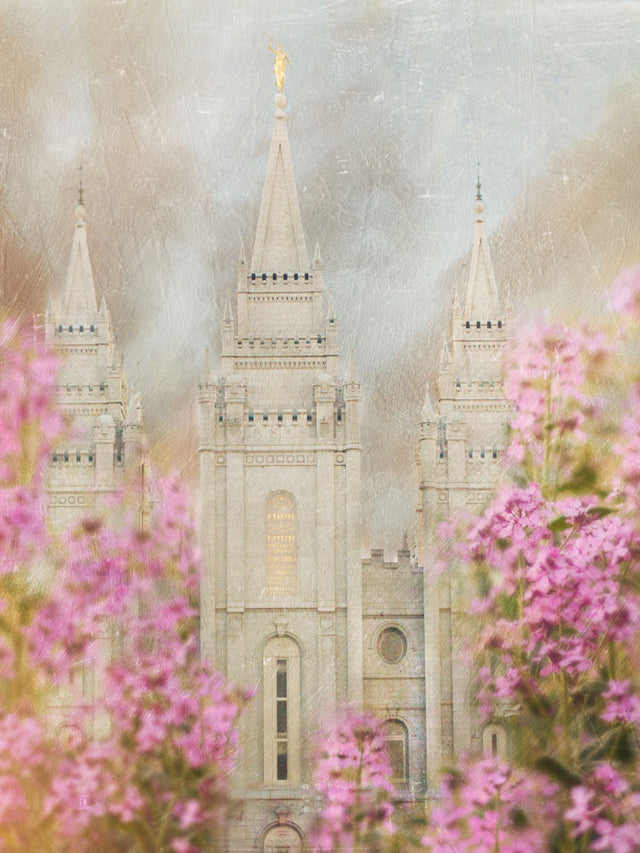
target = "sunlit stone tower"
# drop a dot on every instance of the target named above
(105, 446)
(461, 447)
(281, 598)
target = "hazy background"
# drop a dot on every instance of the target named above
(168, 106)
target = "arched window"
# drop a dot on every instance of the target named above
(281, 672)
(494, 741)
(282, 839)
(396, 737)
(281, 545)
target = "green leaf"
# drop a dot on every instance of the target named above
(600, 511)
(559, 524)
(558, 771)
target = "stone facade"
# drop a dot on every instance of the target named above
(281, 601)
(288, 605)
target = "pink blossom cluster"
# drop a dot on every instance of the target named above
(605, 811)
(626, 481)
(162, 770)
(28, 424)
(352, 773)
(488, 806)
(558, 599)
(546, 375)
(122, 608)
(625, 294)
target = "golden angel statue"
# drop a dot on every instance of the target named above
(279, 63)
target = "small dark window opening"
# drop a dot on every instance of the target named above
(275, 276)
(306, 276)
(91, 457)
(494, 744)
(294, 416)
(477, 324)
(77, 457)
(467, 325)
(285, 276)
(219, 418)
(471, 454)
(71, 328)
(81, 328)
(499, 324)
(59, 328)
(253, 276)
(92, 328)
(265, 416)
(251, 416)
(309, 417)
(66, 457)
(280, 416)
(102, 386)
(54, 457)
(264, 276)
(282, 770)
(339, 414)
(295, 276)
(495, 454)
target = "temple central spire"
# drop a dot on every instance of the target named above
(79, 300)
(482, 301)
(279, 246)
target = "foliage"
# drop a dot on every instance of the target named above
(108, 651)
(557, 556)
(352, 773)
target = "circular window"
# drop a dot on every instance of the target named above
(392, 645)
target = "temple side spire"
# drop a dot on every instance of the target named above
(79, 304)
(279, 246)
(482, 301)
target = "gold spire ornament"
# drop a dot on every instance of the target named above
(279, 63)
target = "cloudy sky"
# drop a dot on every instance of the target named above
(168, 104)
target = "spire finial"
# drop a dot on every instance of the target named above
(478, 207)
(80, 211)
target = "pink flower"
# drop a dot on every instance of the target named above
(624, 296)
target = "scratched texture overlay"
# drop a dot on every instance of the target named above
(167, 105)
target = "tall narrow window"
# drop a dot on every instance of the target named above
(397, 740)
(281, 707)
(282, 769)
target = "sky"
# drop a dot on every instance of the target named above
(167, 105)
